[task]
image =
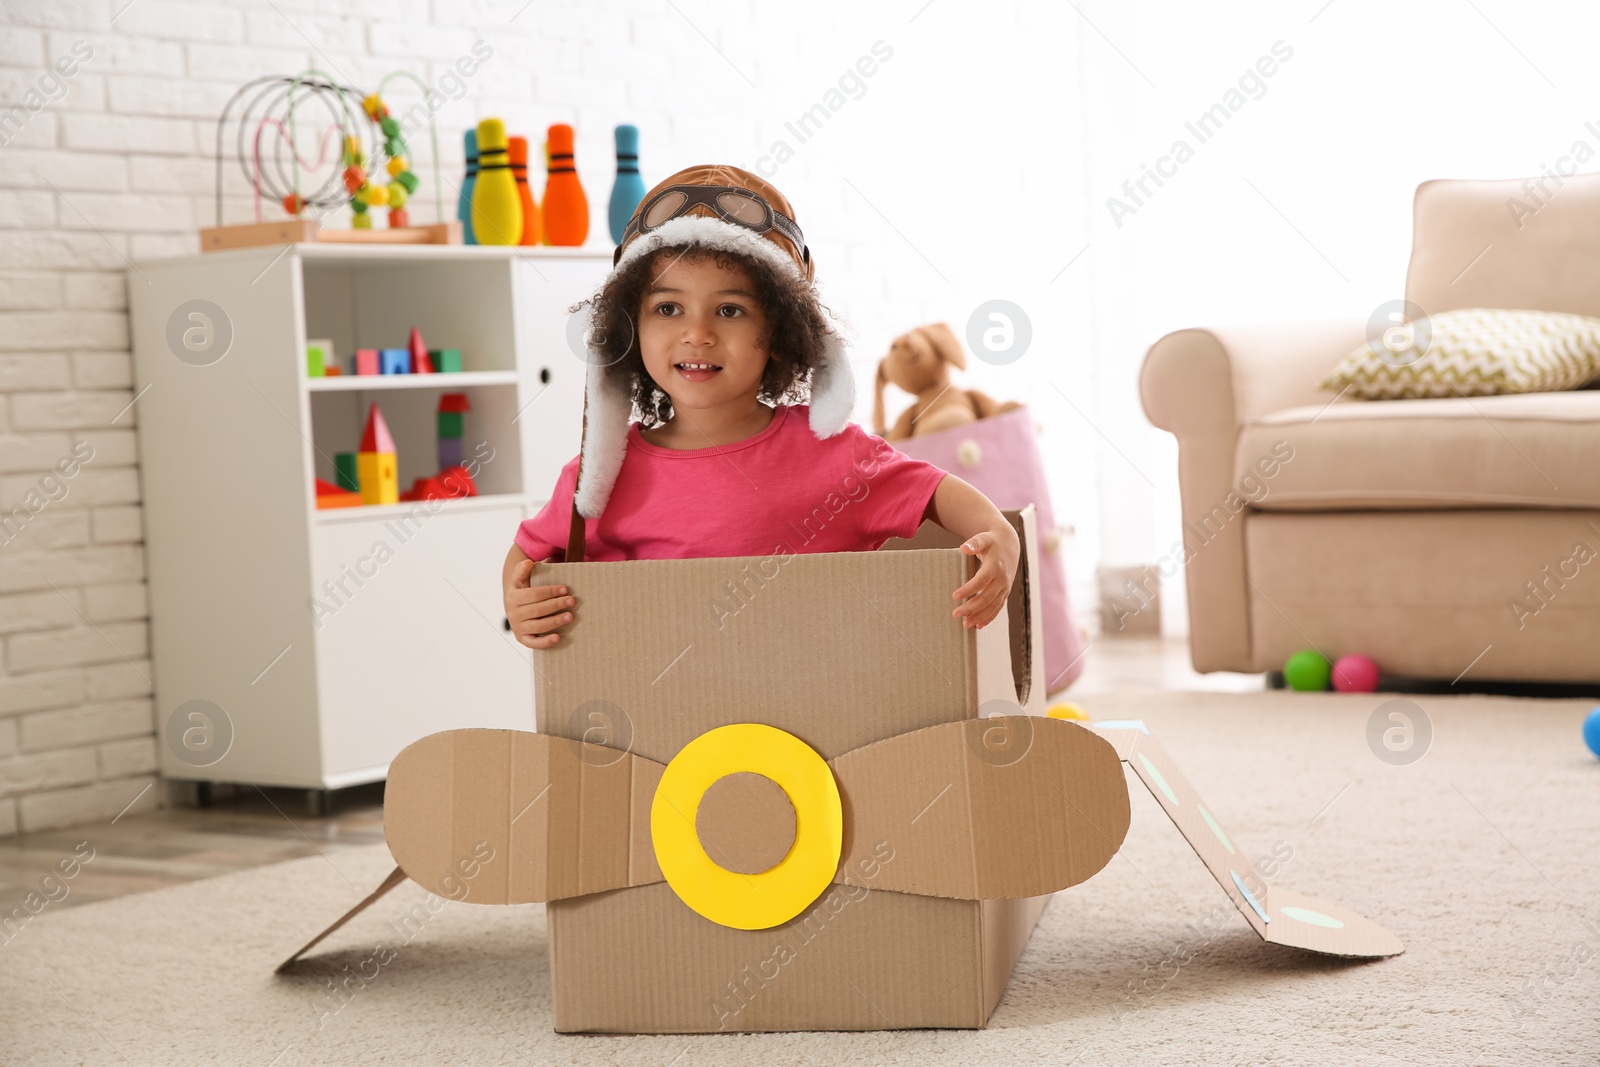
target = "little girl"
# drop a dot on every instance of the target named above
(710, 325)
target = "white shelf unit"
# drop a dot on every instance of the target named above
(345, 383)
(410, 637)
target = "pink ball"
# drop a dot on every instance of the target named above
(1355, 674)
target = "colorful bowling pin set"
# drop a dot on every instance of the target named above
(497, 205)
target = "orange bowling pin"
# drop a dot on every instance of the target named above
(566, 209)
(517, 152)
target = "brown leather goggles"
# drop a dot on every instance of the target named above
(734, 204)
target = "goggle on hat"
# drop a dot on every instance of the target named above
(717, 207)
(731, 203)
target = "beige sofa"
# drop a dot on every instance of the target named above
(1440, 537)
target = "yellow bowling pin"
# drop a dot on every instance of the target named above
(496, 204)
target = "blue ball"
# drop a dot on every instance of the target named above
(1591, 731)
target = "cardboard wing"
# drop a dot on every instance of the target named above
(573, 818)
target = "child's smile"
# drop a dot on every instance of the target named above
(697, 371)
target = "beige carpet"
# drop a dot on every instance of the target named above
(1484, 857)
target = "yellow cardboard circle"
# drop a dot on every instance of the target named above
(748, 901)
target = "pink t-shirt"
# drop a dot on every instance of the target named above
(781, 491)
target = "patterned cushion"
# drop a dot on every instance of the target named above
(1473, 352)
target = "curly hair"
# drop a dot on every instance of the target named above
(794, 338)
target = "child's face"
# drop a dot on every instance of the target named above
(695, 311)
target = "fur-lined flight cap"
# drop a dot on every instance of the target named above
(726, 209)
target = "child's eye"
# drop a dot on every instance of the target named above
(735, 308)
(666, 308)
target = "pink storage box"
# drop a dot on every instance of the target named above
(1009, 470)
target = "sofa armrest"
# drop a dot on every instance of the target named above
(1200, 385)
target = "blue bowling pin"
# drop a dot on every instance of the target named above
(464, 204)
(629, 189)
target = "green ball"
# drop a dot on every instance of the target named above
(1307, 671)
(407, 179)
(389, 126)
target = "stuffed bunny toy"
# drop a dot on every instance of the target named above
(918, 362)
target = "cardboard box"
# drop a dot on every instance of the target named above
(841, 650)
(955, 806)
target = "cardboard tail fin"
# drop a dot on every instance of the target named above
(1280, 916)
(396, 876)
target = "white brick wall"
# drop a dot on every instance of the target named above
(118, 165)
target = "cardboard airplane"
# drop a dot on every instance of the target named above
(781, 798)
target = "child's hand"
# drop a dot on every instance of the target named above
(998, 551)
(536, 611)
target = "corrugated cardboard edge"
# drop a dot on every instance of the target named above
(1027, 614)
(1004, 929)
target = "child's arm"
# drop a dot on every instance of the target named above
(967, 513)
(534, 610)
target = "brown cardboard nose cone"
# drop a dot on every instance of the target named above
(745, 823)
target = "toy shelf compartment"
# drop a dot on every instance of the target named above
(373, 302)
(459, 302)
(490, 443)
